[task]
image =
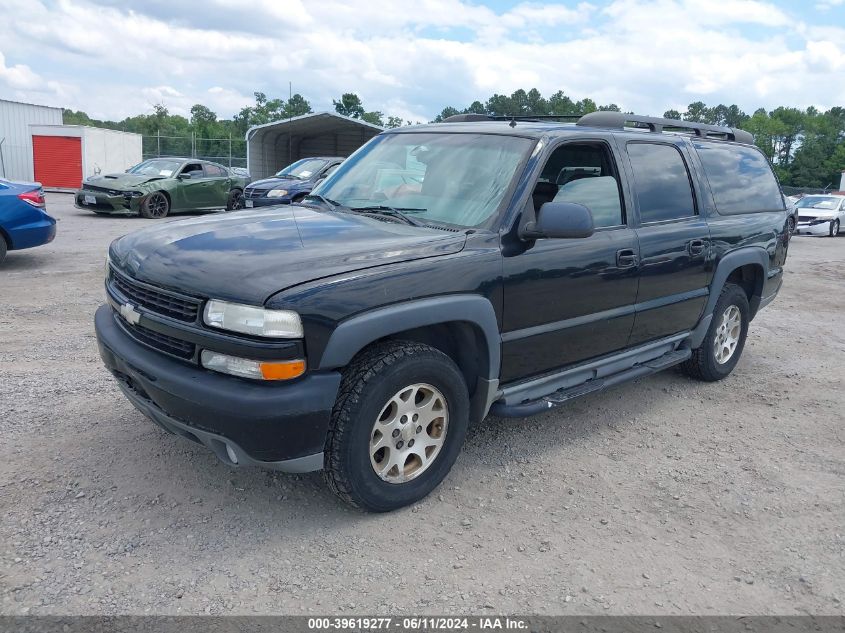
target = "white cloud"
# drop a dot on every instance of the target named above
(410, 58)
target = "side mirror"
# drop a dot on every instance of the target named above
(561, 220)
(186, 176)
(321, 177)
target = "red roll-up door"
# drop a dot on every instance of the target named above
(57, 161)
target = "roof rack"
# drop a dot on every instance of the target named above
(472, 117)
(620, 120)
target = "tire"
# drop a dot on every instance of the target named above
(373, 385)
(234, 201)
(155, 205)
(3, 249)
(834, 228)
(790, 224)
(704, 363)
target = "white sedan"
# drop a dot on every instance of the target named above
(820, 215)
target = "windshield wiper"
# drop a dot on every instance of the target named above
(331, 204)
(392, 212)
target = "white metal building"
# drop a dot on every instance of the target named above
(16, 139)
(272, 146)
(65, 155)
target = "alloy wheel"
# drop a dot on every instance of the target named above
(727, 334)
(409, 433)
(157, 205)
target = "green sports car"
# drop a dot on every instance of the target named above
(160, 186)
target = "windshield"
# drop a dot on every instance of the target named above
(818, 202)
(455, 179)
(304, 168)
(157, 167)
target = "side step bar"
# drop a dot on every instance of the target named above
(561, 396)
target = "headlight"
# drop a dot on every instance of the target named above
(256, 369)
(252, 320)
(277, 193)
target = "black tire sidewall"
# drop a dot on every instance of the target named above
(369, 489)
(834, 228)
(145, 210)
(234, 195)
(731, 295)
(3, 249)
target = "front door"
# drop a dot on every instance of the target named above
(568, 300)
(197, 191)
(674, 241)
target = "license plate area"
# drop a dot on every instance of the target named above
(90, 200)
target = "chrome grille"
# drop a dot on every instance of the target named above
(254, 193)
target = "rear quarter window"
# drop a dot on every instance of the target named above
(740, 178)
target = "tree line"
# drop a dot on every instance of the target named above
(806, 147)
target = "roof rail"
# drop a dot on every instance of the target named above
(472, 117)
(620, 120)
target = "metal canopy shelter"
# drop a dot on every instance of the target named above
(271, 146)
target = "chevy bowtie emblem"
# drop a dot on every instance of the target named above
(128, 312)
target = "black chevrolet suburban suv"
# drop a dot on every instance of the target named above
(443, 273)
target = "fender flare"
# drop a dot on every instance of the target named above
(749, 255)
(354, 334)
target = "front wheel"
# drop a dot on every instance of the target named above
(725, 338)
(397, 426)
(155, 205)
(834, 228)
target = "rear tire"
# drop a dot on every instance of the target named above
(790, 224)
(235, 200)
(3, 248)
(397, 426)
(725, 339)
(156, 205)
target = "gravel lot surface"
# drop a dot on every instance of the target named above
(662, 496)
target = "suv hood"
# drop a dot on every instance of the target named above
(250, 255)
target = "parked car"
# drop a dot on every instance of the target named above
(443, 272)
(24, 222)
(821, 215)
(290, 184)
(792, 210)
(160, 186)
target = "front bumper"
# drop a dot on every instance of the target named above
(106, 203)
(821, 228)
(276, 426)
(250, 203)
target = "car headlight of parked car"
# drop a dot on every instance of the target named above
(252, 320)
(277, 193)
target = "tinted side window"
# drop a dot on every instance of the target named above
(214, 171)
(585, 174)
(661, 182)
(740, 178)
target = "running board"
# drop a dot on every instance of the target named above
(533, 407)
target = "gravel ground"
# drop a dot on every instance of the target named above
(662, 496)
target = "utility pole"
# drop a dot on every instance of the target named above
(290, 116)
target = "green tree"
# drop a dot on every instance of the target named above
(349, 105)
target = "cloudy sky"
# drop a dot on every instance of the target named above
(411, 58)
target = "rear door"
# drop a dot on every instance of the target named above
(219, 183)
(674, 239)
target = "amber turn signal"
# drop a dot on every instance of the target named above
(284, 370)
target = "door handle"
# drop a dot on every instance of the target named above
(626, 258)
(696, 247)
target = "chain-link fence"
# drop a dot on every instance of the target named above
(226, 151)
